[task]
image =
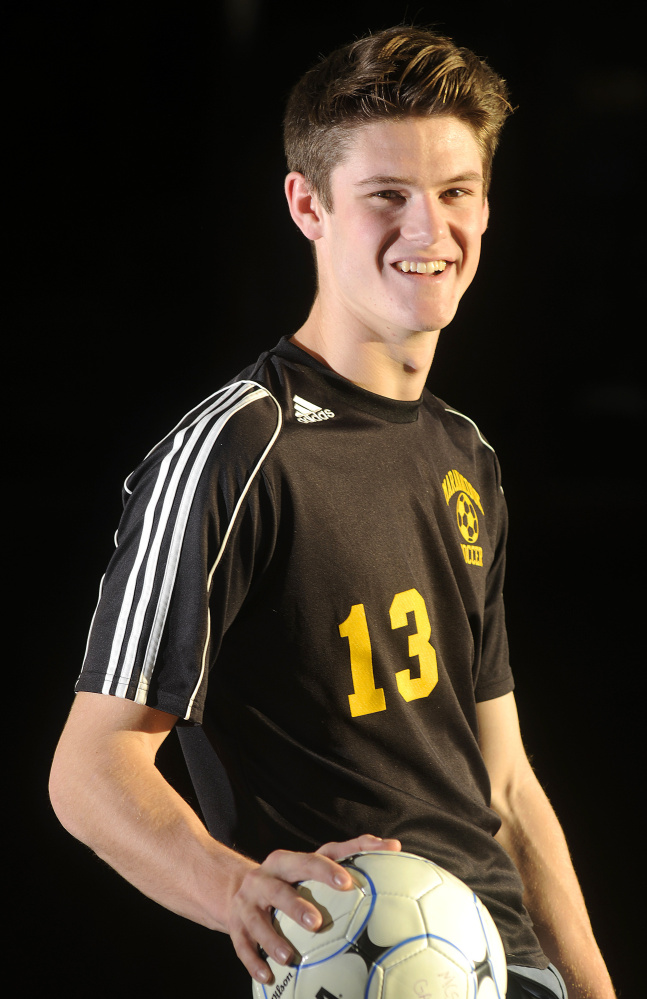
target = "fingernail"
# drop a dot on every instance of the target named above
(263, 975)
(341, 880)
(283, 955)
(309, 920)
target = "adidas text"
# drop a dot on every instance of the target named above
(308, 412)
(322, 414)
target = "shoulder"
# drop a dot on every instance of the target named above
(460, 427)
(471, 465)
(237, 423)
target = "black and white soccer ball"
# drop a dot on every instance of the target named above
(407, 929)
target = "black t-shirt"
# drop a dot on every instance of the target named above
(312, 576)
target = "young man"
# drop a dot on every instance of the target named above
(309, 569)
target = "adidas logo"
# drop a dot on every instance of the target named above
(307, 412)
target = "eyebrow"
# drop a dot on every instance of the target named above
(471, 175)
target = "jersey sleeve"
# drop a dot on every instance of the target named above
(495, 676)
(196, 526)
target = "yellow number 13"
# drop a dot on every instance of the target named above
(367, 698)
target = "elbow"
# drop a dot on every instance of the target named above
(512, 797)
(506, 813)
(504, 801)
(59, 798)
(64, 795)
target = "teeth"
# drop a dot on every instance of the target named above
(431, 267)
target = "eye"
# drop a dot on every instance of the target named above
(388, 195)
(455, 193)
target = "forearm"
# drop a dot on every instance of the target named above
(115, 800)
(107, 791)
(533, 837)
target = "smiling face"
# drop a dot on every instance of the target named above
(402, 243)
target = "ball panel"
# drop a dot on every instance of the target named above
(392, 918)
(495, 953)
(336, 907)
(452, 915)
(489, 989)
(428, 974)
(283, 984)
(344, 976)
(412, 876)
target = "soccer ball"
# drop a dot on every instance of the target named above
(408, 928)
(468, 522)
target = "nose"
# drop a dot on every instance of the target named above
(424, 223)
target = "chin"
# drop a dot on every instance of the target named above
(430, 324)
(426, 329)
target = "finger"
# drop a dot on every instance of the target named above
(251, 926)
(256, 912)
(248, 954)
(361, 844)
(266, 888)
(295, 867)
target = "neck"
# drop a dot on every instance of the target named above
(395, 365)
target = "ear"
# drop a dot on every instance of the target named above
(304, 205)
(486, 215)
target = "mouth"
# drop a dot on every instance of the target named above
(421, 267)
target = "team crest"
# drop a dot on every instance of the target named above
(467, 520)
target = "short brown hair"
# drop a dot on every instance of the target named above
(396, 73)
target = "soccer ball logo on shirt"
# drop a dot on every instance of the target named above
(466, 516)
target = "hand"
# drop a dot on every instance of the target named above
(269, 886)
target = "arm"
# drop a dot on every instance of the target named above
(107, 791)
(532, 835)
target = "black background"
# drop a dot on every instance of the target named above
(155, 257)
